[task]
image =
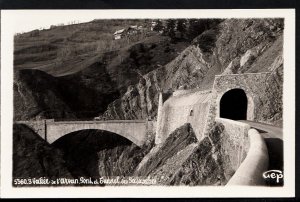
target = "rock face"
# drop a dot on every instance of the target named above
(158, 157)
(201, 168)
(69, 97)
(139, 102)
(233, 46)
(39, 97)
(181, 160)
(33, 157)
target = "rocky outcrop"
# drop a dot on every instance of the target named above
(175, 146)
(140, 101)
(36, 96)
(121, 161)
(234, 46)
(182, 160)
(211, 162)
(271, 105)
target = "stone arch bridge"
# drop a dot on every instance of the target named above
(134, 130)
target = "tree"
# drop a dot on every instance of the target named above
(181, 27)
(158, 27)
(198, 26)
(170, 28)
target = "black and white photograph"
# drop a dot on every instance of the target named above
(100, 101)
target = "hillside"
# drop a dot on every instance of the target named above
(66, 49)
(84, 67)
(233, 46)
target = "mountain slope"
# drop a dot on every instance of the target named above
(38, 97)
(233, 46)
(46, 96)
(86, 69)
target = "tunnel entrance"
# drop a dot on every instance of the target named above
(233, 105)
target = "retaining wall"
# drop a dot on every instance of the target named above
(185, 108)
(234, 144)
(257, 161)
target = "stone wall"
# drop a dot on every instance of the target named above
(234, 144)
(263, 91)
(185, 108)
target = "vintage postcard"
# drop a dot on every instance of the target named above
(147, 103)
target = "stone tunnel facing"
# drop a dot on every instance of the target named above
(233, 105)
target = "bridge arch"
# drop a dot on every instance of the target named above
(108, 136)
(235, 104)
(135, 131)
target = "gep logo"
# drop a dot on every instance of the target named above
(273, 174)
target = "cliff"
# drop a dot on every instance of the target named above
(181, 160)
(38, 95)
(233, 46)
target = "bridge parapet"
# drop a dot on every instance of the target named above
(235, 144)
(38, 126)
(134, 130)
(256, 162)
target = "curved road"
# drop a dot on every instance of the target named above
(266, 130)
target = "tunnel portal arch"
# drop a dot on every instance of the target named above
(234, 104)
